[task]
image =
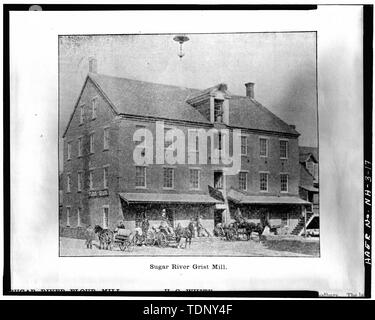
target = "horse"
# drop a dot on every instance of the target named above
(219, 231)
(186, 233)
(106, 237)
(251, 227)
(243, 224)
(230, 231)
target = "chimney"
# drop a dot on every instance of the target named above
(93, 65)
(250, 89)
(293, 126)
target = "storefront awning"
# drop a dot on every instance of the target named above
(167, 198)
(310, 188)
(242, 198)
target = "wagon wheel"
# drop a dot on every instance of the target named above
(162, 240)
(150, 239)
(122, 245)
(130, 245)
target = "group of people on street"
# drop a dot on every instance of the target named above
(165, 225)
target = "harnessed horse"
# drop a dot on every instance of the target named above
(105, 237)
(184, 232)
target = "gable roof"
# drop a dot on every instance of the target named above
(140, 98)
(134, 97)
(306, 152)
(248, 113)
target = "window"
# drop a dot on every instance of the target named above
(168, 178)
(105, 177)
(78, 217)
(82, 114)
(243, 145)
(193, 146)
(79, 184)
(242, 179)
(218, 110)
(310, 167)
(193, 140)
(263, 147)
(91, 143)
(93, 107)
(105, 217)
(316, 170)
(80, 147)
(284, 182)
(263, 179)
(91, 181)
(69, 150)
(167, 140)
(140, 176)
(283, 149)
(68, 183)
(106, 139)
(220, 141)
(68, 216)
(196, 144)
(194, 178)
(142, 129)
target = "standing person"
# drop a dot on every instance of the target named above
(90, 236)
(145, 224)
(199, 226)
(164, 224)
(201, 230)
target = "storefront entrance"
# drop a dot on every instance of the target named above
(218, 216)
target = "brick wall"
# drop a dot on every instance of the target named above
(121, 167)
(91, 208)
(252, 163)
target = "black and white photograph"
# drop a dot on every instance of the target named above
(189, 144)
(188, 151)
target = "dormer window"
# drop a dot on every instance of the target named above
(218, 110)
(213, 103)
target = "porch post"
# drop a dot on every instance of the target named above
(304, 218)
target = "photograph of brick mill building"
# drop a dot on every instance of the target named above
(102, 185)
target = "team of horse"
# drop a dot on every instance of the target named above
(240, 228)
(153, 235)
(141, 235)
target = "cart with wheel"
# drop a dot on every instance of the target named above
(124, 239)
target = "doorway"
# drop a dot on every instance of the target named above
(218, 180)
(218, 216)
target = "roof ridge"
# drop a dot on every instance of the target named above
(143, 81)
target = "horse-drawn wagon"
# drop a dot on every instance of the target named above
(124, 239)
(144, 237)
(164, 239)
(240, 229)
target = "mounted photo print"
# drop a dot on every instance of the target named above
(200, 153)
(206, 153)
